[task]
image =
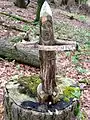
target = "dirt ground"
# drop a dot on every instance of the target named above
(65, 66)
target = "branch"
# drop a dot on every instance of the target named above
(11, 27)
(64, 42)
(32, 45)
(16, 17)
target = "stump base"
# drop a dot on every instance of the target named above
(23, 107)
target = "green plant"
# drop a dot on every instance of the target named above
(71, 92)
(75, 58)
(79, 113)
(84, 1)
(77, 109)
(26, 27)
(18, 66)
(30, 84)
(81, 70)
(82, 18)
(15, 39)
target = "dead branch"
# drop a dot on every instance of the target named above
(64, 42)
(11, 27)
(16, 17)
(33, 45)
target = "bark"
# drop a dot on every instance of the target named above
(20, 52)
(22, 3)
(27, 53)
(15, 111)
(47, 58)
(39, 5)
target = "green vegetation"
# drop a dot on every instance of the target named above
(83, 1)
(81, 70)
(81, 115)
(26, 27)
(16, 39)
(75, 59)
(40, 3)
(71, 92)
(65, 31)
(74, 92)
(29, 84)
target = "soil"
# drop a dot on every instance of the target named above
(75, 65)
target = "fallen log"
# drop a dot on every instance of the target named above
(20, 53)
(28, 52)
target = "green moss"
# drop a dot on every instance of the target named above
(28, 84)
(71, 92)
(77, 109)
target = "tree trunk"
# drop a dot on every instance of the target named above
(39, 5)
(16, 110)
(20, 3)
(21, 53)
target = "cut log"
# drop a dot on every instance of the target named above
(20, 106)
(21, 53)
(27, 53)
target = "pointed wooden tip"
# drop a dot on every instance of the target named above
(45, 10)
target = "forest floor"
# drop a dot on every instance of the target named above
(75, 65)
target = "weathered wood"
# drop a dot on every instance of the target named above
(19, 52)
(64, 42)
(14, 111)
(54, 48)
(28, 51)
(47, 58)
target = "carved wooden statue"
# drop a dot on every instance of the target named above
(47, 90)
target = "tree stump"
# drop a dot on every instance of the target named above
(20, 106)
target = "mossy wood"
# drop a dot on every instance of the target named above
(19, 105)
